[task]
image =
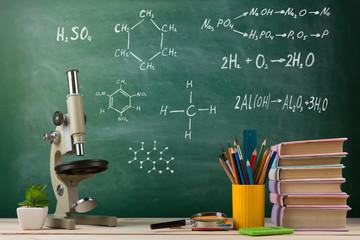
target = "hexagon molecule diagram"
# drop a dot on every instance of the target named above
(120, 101)
(152, 162)
(154, 33)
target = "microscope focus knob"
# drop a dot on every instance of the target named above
(58, 118)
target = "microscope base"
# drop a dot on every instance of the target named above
(70, 221)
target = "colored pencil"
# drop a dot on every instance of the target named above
(236, 144)
(249, 172)
(259, 158)
(270, 164)
(226, 159)
(226, 170)
(242, 170)
(266, 153)
(253, 159)
(248, 168)
(241, 160)
(264, 169)
(232, 160)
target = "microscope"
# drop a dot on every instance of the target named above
(68, 139)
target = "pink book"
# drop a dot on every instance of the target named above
(310, 218)
(311, 148)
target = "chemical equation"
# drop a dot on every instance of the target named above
(292, 60)
(131, 51)
(255, 34)
(120, 101)
(190, 111)
(76, 33)
(155, 162)
(249, 102)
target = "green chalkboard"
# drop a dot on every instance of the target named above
(169, 83)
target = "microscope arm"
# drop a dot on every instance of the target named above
(64, 186)
(68, 139)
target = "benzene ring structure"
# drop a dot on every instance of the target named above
(120, 101)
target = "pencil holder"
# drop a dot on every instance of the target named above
(248, 202)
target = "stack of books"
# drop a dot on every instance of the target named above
(304, 184)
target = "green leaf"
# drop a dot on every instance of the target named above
(35, 193)
(42, 203)
(25, 203)
(28, 195)
(42, 188)
(29, 181)
(43, 196)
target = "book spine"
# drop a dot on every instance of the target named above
(274, 186)
(275, 164)
(276, 215)
(274, 174)
(277, 199)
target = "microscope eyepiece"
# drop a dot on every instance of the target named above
(73, 81)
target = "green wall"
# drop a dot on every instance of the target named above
(266, 70)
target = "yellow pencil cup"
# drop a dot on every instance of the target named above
(248, 203)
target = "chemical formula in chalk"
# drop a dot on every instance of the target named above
(120, 101)
(76, 33)
(265, 34)
(298, 60)
(152, 159)
(190, 111)
(251, 102)
(157, 46)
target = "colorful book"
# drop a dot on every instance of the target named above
(282, 187)
(307, 161)
(311, 148)
(307, 173)
(303, 200)
(310, 218)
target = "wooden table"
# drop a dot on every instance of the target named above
(138, 228)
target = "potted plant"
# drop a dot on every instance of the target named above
(34, 209)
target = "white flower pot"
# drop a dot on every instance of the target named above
(32, 218)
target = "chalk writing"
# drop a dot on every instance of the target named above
(131, 51)
(249, 102)
(76, 33)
